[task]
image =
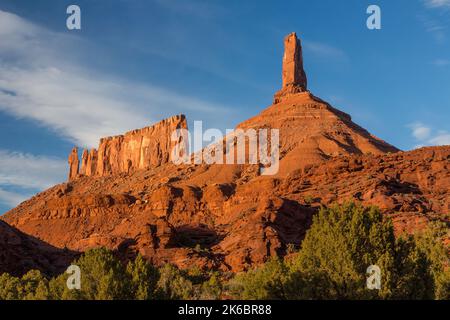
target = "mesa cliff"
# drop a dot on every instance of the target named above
(128, 195)
(137, 149)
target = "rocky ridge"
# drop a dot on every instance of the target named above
(229, 217)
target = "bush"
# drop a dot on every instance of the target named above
(173, 284)
(32, 286)
(331, 264)
(212, 288)
(429, 242)
(142, 279)
(270, 281)
(10, 287)
(343, 242)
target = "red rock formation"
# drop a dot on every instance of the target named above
(91, 163)
(137, 149)
(84, 161)
(238, 217)
(74, 164)
(293, 75)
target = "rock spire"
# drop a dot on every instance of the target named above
(293, 75)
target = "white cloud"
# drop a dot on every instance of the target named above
(437, 3)
(22, 174)
(427, 136)
(420, 131)
(11, 199)
(442, 138)
(37, 81)
(30, 171)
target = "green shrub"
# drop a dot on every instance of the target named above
(142, 279)
(173, 284)
(343, 242)
(270, 281)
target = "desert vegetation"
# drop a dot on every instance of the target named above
(331, 264)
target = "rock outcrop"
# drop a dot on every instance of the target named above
(74, 164)
(293, 75)
(129, 197)
(137, 149)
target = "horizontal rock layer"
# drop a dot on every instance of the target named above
(137, 149)
(229, 217)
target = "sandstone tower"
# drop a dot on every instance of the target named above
(293, 75)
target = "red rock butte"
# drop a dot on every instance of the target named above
(128, 196)
(137, 149)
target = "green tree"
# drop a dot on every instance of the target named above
(270, 281)
(342, 242)
(10, 287)
(34, 286)
(143, 278)
(430, 243)
(173, 284)
(103, 277)
(212, 288)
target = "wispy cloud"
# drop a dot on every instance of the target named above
(11, 199)
(435, 19)
(30, 171)
(22, 174)
(426, 136)
(38, 81)
(442, 138)
(324, 50)
(437, 3)
(441, 62)
(43, 78)
(434, 27)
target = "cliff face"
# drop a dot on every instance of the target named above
(238, 216)
(137, 149)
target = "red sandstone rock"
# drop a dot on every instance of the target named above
(133, 199)
(137, 149)
(293, 75)
(74, 164)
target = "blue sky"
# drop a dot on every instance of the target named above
(136, 62)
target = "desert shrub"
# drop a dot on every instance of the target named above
(331, 264)
(343, 241)
(103, 277)
(35, 286)
(10, 287)
(142, 279)
(269, 281)
(430, 243)
(32, 286)
(173, 284)
(212, 288)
